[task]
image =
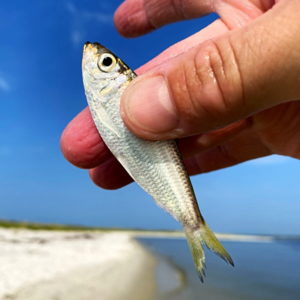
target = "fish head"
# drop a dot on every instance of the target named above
(102, 70)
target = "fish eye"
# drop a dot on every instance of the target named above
(106, 62)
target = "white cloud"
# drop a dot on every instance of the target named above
(71, 7)
(271, 159)
(4, 85)
(87, 15)
(76, 37)
(99, 17)
(79, 18)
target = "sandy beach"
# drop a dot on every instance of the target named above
(113, 265)
(74, 265)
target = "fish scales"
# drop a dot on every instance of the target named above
(155, 165)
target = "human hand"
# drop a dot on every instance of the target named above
(229, 92)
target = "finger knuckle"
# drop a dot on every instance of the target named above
(206, 85)
(217, 69)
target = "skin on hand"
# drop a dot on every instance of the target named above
(228, 93)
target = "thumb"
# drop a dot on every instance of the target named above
(221, 80)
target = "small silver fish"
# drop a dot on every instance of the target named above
(155, 165)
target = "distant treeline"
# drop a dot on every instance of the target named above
(42, 226)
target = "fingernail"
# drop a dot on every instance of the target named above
(148, 105)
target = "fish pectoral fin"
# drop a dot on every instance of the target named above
(203, 235)
(106, 121)
(124, 163)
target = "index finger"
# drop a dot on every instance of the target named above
(81, 143)
(136, 17)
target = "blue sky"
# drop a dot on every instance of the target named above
(41, 90)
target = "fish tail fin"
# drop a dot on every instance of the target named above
(204, 235)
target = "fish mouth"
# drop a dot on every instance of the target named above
(88, 46)
(94, 47)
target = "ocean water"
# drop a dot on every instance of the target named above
(263, 271)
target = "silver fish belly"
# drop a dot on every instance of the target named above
(155, 165)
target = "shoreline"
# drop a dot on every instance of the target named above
(136, 233)
(78, 265)
(108, 265)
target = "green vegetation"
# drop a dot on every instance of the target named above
(10, 224)
(41, 226)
